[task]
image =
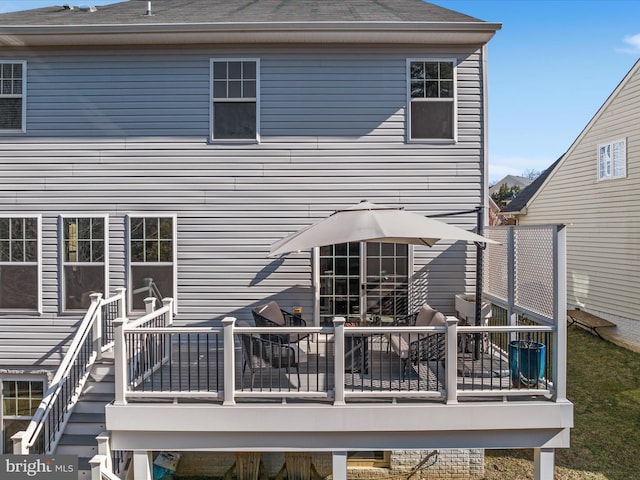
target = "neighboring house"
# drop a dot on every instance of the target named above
(593, 189)
(165, 151)
(510, 181)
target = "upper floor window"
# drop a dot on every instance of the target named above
(83, 260)
(235, 111)
(431, 92)
(152, 258)
(612, 160)
(19, 263)
(12, 96)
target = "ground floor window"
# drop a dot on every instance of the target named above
(376, 458)
(20, 400)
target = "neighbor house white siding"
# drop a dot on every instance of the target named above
(114, 133)
(602, 216)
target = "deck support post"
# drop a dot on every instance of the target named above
(142, 465)
(544, 460)
(339, 465)
(228, 324)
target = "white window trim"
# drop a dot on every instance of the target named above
(454, 101)
(18, 378)
(612, 176)
(244, 141)
(62, 263)
(38, 310)
(174, 255)
(23, 129)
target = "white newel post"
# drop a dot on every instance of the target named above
(97, 325)
(20, 443)
(451, 361)
(104, 448)
(97, 463)
(122, 302)
(149, 304)
(168, 302)
(560, 344)
(338, 339)
(120, 361)
(228, 324)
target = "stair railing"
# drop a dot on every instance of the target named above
(44, 430)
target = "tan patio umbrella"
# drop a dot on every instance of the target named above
(368, 222)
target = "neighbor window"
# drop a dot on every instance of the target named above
(12, 95)
(612, 160)
(152, 258)
(235, 99)
(19, 267)
(431, 99)
(84, 244)
(20, 400)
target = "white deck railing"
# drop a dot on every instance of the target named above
(167, 362)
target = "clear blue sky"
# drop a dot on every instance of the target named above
(553, 64)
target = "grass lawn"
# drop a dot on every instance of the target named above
(603, 383)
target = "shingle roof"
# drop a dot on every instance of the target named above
(165, 12)
(522, 199)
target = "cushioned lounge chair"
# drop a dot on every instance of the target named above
(412, 348)
(264, 353)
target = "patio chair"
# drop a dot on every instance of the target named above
(264, 353)
(417, 347)
(271, 315)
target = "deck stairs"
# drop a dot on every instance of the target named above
(88, 418)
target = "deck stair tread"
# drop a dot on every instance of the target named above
(87, 417)
(77, 439)
(97, 397)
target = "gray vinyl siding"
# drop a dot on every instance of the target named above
(127, 133)
(603, 248)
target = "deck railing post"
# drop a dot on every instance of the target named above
(96, 328)
(20, 443)
(228, 324)
(149, 304)
(560, 313)
(451, 361)
(104, 448)
(120, 361)
(168, 302)
(122, 302)
(338, 339)
(97, 464)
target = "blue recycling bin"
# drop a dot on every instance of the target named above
(526, 363)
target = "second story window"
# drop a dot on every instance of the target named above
(431, 101)
(12, 96)
(612, 160)
(152, 259)
(19, 269)
(83, 260)
(235, 99)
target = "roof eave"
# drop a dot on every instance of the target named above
(467, 33)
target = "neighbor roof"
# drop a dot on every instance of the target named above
(244, 21)
(520, 202)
